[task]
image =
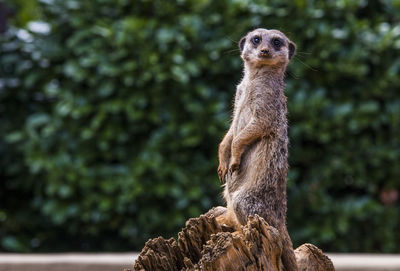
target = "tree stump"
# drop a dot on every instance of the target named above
(204, 244)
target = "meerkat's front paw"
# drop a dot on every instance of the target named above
(234, 166)
(222, 170)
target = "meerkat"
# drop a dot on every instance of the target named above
(253, 155)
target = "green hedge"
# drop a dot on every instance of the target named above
(110, 122)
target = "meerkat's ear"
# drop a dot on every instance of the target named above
(292, 49)
(241, 43)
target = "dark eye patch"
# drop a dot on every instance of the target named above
(277, 43)
(256, 40)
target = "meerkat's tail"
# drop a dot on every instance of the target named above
(288, 256)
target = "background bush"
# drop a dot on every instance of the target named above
(110, 121)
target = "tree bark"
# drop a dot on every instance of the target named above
(206, 245)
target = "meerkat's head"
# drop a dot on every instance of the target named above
(266, 47)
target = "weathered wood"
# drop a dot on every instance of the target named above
(311, 258)
(206, 245)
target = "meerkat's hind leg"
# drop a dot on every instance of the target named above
(225, 217)
(228, 221)
(216, 211)
(220, 215)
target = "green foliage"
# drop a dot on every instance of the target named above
(111, 121)
(23, 11)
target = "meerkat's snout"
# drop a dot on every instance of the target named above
(265, 53)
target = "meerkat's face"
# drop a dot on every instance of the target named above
(266, 47)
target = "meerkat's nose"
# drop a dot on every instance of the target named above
(264, 52)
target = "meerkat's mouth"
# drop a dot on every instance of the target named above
(265, 60)
(264, 57)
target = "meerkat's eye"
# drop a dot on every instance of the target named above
(277, 43)
(256, 40)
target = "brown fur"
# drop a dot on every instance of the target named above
(253, 156)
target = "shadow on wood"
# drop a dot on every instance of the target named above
(204, 244)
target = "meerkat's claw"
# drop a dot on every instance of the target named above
(221, 178)
(221, 173)
(233, 167)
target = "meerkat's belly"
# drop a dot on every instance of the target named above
(263, 163)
